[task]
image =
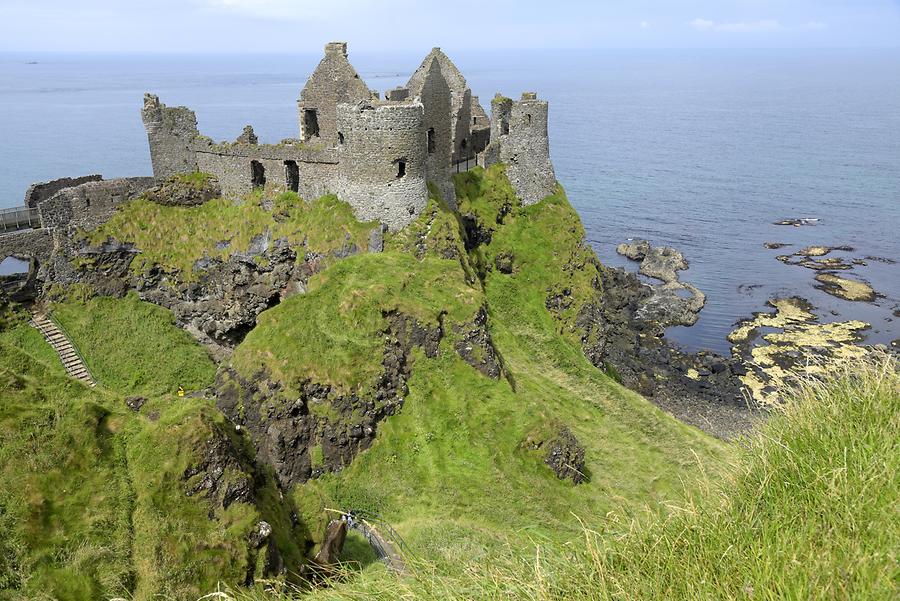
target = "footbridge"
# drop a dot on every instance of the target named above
(19, 218)
(386, 542)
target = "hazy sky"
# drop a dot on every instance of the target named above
(304, 25)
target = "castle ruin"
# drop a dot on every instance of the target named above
(376, 154)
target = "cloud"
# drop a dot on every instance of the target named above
(644, 25)
(760, 26)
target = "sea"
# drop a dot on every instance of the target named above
(702, 150)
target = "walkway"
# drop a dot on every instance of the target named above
(384, 540)
(62, 344)
(18, 218)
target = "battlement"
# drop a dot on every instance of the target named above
(378, 155)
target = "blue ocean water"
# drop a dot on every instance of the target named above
(701, 150)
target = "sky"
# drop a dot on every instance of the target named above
(303, 26)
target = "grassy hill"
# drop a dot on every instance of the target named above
(161, 502)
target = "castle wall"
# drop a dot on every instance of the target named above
(435, 98)
(27, 244)
(333, 82)
(525, 149)
(232, 165)
(41, 191)
(378, 137)
(171, 132)
(90, 204)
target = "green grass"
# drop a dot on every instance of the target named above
(134, 347)
(453, 471)
(175, 238)
(809, 509)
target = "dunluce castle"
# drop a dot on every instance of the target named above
(376, 154)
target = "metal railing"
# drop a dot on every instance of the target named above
(18, 218)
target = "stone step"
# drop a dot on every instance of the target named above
(68, 354)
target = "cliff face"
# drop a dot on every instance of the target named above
(449, 369)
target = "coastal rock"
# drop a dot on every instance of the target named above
(798, 221)
(775, 245)
(845, 288)
(814, 251)
(662, 263)
(669, 306)
(635, 250)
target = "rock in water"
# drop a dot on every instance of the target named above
(635, 250)
(662, 262)
(845, 288)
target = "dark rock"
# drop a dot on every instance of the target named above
(475, 347)
(135, 403)
(330, 552)
(775, 245)
(504, 262)
(222, 474)
(565, 456)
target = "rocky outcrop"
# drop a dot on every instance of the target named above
(184, 191)
(330, 552)
(565, 456)
(222, 474)
(474, 345)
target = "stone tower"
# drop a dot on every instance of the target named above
(460, 99)
(382, 171)
(334, 81)
(519, 139)
(436, 99)
(172, 132)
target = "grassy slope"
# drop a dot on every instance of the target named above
(175, 238)
(452, 471)
(134, 347)
(93, 504)
(809, 510)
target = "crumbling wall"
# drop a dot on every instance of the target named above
(480, 126)
(333, 82)
(317, 170)
(435, 98)
(91, 204)
(460, 98)
(172, 133)
(41, 191)
(519, 139)
(27, 244)
(383, 169)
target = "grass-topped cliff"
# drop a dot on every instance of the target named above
(430, 383)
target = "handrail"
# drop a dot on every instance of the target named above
(74, 346)
(18, 218)
(369, 520)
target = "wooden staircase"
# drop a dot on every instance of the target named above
(68, 354)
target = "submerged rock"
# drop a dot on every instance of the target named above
(845, 288)
(662, 263)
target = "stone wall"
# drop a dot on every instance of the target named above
(172, 133)
(480, 126)
(91, 204)
(334, 81)
(41, 191)
(460, 96)
(383, 169)
(435, 98)
(27, 244)
(525, 149)
(232, 165)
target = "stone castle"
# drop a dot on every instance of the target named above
(376, 154)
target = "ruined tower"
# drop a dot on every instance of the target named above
(519, 139)
(435, 96)
(172, 132)
(333, 82)
(460, 100)
(382, 170)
